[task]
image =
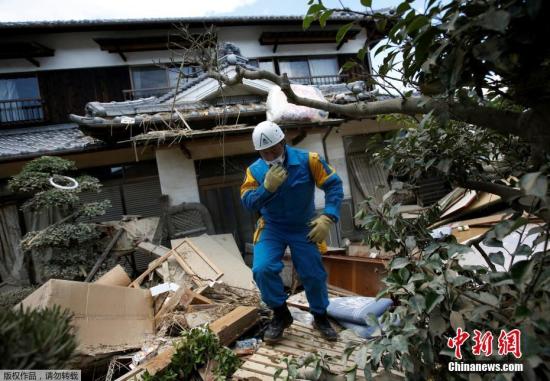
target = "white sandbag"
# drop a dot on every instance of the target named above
(280, 111)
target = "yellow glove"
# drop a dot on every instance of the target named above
(274, 178)
(320, 227)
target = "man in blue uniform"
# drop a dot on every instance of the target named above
(281, 186)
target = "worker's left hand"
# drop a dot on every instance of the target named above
(320, 227)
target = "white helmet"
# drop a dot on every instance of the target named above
(266, 134)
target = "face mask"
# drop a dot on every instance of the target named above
(278, 161)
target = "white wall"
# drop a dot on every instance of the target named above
(177, 176)
(246, 38)
(79, 50)
(336, 156)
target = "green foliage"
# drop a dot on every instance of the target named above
(438, 292)
(312, 366)
(73, 241)
(196, 348)
(386, 229)
(38, 339)
(61, 236)
(458, 44)
(450, 149)
(34, 176)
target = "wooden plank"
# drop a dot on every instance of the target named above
(203, 256)
(235, 271)
(306, 333)
(242, 374)
(275, 359)
(488, 220)
(234, 324)
(292, 351)
(151, 248)
(262, 369)
(307, 348)
(272, 358)
(196, 262)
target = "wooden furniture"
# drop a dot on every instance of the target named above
(357, 274)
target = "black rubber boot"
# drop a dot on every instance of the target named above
(322, 324)
(281, 319)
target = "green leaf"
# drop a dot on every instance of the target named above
(401, 8)
(400, 343)
(418, 303)
(343, 31)
(497, 258)
(324, 17)
(398, 263)
(381, 25)
(418, 22)
(348, 66)
(524, 249)
(487, 298)
(361, 54)
(522, 272)
(307, 21)
(366, 3)
(432, 300)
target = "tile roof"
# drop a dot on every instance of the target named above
(35, 141)
(339, 16)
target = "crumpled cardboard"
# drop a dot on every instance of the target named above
(106, 318)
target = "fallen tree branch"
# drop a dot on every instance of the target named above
(503, 121)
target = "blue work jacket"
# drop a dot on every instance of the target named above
(292, 204)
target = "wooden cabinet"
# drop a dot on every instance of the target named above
(360, 275)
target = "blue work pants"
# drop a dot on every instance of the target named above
(271, 243)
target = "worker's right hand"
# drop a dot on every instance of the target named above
(274, 178)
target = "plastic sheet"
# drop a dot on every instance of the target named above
(280, 111)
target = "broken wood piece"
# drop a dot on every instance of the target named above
(231, 326)
(117, 276)
(169, 304)
(104, 255)
(190, 297)
(152, 266)
(151, 248)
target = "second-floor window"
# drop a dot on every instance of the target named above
(20, 100)
(309, 71)
(153, 80)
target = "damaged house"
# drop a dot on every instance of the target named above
(103, 94)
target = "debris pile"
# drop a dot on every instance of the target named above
(134, 326)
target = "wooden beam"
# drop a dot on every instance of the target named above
(234, 324)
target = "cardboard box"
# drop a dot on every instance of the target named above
(107, 318)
